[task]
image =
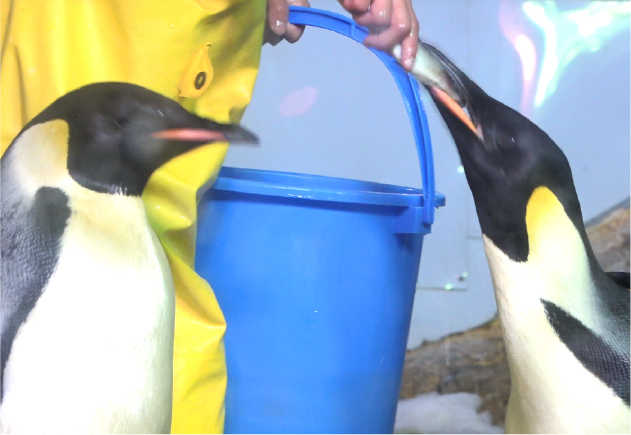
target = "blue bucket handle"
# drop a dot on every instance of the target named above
(410, 91)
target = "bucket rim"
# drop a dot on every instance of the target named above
(319, 188)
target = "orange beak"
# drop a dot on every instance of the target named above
(190, 134)
(453, 107)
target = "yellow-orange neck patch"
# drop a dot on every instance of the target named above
(552, 237)
(40, 156)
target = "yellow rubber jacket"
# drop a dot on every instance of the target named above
(203, 53)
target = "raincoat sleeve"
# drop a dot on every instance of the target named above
(204, 54)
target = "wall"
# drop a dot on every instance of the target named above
(327, 106)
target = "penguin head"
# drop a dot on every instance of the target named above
(505, 158)
(119, 134)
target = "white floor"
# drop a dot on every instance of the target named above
(443, 413)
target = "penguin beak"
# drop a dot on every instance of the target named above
(451, 105)
(460, 85)
(215, 133)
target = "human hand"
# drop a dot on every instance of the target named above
(277, 26)
(390, 22)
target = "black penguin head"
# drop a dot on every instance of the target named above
(505, 158)
(120, 133)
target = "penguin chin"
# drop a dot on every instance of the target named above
(474, 120)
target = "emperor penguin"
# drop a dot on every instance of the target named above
(87, 298)
(564, 320)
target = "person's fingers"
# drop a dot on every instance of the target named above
(390, 22)
(269, 37)
(294, 32)
(277, 15)
(378, 18)
(400, 27)
(356, 7)
(409, 46)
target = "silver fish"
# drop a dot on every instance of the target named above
(429, 71)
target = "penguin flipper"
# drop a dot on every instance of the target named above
(30, 244)
(605, 361)
(621, 278)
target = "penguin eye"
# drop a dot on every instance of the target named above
(506, 141)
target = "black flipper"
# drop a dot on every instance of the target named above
(30, 244)
(610, 365)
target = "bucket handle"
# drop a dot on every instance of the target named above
(409, 88)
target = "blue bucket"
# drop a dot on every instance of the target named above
(316, 278)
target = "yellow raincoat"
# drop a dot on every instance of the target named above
(203, 53)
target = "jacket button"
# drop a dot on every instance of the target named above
(197, 75)
(200, 80)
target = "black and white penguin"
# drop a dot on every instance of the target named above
(87, 298)
(565, 321)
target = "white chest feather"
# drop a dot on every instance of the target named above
(552, 392)
(95, 353)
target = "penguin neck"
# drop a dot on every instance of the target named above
(557, 245)
(559, 265)
(558, 269)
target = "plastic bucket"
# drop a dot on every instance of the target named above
(316, 278)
